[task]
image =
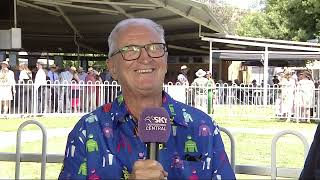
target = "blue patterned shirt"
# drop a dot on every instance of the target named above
(104, 145)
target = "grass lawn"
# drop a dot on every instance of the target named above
(12, 124)
(251, 149)
(32, 170)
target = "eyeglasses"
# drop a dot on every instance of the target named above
(133, 52)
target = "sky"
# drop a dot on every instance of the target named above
(243, 4)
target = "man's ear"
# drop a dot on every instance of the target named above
(112, 68)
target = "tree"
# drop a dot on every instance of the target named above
(297, 20)
(229, 16)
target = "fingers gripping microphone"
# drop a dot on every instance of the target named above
(154, 127)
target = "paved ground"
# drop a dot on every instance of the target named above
(9, 138)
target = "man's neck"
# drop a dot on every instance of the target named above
(137, 103)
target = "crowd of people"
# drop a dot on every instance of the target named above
(297, 95)
(54, 89)
(201, 94)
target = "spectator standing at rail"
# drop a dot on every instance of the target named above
(92, 80)
(183, 76)
(288, 86)
(41, 89)
(200, 84)
(65, 78)
(54, 81)
(25, 81)
(211, 85)
(82, 96)
(304, 99)
(7, 87)
(75, 100)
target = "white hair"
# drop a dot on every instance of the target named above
(113, 37)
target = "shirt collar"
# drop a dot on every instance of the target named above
(120, 110)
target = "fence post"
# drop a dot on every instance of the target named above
(232, 146)
(273, 149)
(18, 148)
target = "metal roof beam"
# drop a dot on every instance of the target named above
(189, 11)
(188, 49)
(66, 18)
(53, 3)
(119, 9)
(114, 3)
(184, 14)
(262, 52)
(52, 12)
(242, 38)
(182, 36)
(258, 44)
(213, 17)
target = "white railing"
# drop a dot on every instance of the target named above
(220, 100)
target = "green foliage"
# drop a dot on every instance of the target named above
(297, 20)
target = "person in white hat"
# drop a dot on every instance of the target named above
(182, 77)
(7, 87)
(199, 86)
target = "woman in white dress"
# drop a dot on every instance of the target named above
(7, 87)
(288, 86)
(304, 100)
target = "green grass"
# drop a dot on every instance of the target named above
(32, 170)
(251, 149)
(262, 123)
(12, 124)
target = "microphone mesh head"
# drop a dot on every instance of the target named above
(154, 125)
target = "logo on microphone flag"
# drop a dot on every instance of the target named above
(154, 125)
(157, 123)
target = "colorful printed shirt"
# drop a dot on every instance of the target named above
(104, 145)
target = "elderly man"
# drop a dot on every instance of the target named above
(105, 144)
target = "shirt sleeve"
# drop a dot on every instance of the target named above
(311, 168)
(221, 165)
(74, 163)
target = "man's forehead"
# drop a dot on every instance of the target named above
(137, 32)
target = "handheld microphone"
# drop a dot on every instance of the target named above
(153, 128)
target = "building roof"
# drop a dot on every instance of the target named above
(252, 50)
(59, 25)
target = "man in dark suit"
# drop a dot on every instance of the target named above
(311, 169)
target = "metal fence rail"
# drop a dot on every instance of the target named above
(226, 100)
(274, 169)
(239, 169)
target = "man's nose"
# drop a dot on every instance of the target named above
(144, 57)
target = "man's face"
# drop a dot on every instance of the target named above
(185, 71)
(144, 75)
(3, 66)
(39, 66)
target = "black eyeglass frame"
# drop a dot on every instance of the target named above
(165, 47)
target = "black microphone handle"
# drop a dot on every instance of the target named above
(153, 150)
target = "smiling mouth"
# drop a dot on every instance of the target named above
(142, 71)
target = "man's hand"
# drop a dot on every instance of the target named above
(148, 169)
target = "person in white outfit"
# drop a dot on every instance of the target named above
(25, 89)
(7, 87)
(288, 86)
(304, 99)
(41, 89)
(200, 84)
(182, 77)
